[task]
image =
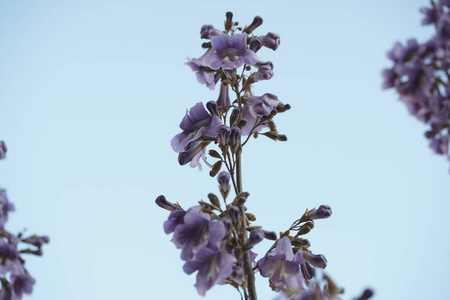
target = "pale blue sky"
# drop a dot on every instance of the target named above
(91, 92)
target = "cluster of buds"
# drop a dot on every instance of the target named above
(217, 237)
(420, 75)
(14, 277)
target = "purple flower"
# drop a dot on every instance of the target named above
(224, 97)
(257, 106)
(212, 264)
(282, 266)
(202, 77)
(265, 71)
(37, 240)
(224, 183)
(21, 284)
(208, 31)
(3, 149)
(196, 122)
(257, 21)
(271, 40)
(255, 237)
(323, 212)
(176, 218)
(5, 208)
(230, 53)
(8, 257)
(197, 228)
(162, 202)
(223, 134)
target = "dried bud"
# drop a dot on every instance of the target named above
(323, 212)
(208, 31)
(214, 200)
(3, 149)
(305, 228)
(214, 153)
(251, 217)
(215, 168)
(235, 114)
(255, 237)
(257, 21)
(224, 183)
(162, 202)
(271, 40)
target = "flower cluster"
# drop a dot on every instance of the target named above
(14, 277)
(421, 76)
(216, 237)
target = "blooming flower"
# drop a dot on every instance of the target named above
(195, 229)
(196, 122)
(230, 53)
(21, 284)
(282, 266)
(202, 77)
(212, 264)
(257, 106)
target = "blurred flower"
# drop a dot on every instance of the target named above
(208, 31)
(3, 149)
(271, 40)
(5, 208)
(282, 266)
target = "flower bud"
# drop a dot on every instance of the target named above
(265, 72)
(235, 213)
(270, 235)
(323, 212)
(234, 137)
(223, 133)
(162, 202)
(255, 237)
(255, 44)
(211, 106)
(367, 294)
(257, 21)
(224, 183)
(208, 31)
(271, 40)
(3, 149)
(224, 98)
